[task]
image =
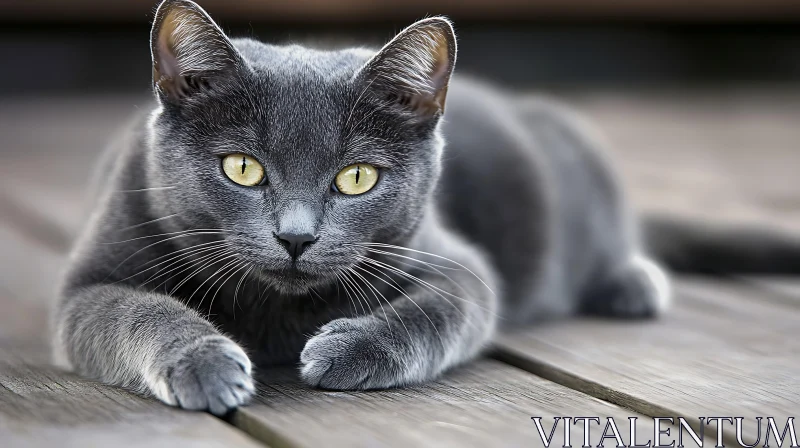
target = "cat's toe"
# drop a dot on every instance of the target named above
(352, 354)
(214, 376)
(313, 371)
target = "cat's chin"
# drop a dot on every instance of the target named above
(293, 282)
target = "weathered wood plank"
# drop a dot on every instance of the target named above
(49, 148)
(718, 352)
(485, 403)
(45, 407)
(27, 286)
(726, 156)
(783, 289)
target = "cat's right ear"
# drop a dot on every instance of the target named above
(413, 70)
(189, 50)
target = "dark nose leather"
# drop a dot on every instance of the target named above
(294, 243)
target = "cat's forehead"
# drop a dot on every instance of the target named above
(297, 60)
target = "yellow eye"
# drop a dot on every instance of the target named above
(356, 179)
(242, 169)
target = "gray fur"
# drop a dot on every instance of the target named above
(516, 218)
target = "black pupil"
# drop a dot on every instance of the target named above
(358, 172)
(244, 164)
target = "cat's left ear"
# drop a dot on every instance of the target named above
(188, 50)
(413, 70)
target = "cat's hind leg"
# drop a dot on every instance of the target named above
(637, 288)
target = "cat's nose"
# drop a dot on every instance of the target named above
(295, 243)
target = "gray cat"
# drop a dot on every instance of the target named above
(283, 204)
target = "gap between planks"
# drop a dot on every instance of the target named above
(722, 351)
(483, 403)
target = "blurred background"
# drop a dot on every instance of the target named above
(93, 46)
(700, 100)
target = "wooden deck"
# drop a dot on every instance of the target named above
(728, 348)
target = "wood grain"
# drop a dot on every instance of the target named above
(49, 149)
(485, 403)
(28, 281)
(42, 406)
(723, 158)
(782, 288)
(719, 352)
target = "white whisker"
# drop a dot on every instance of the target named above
(392, 246)
(174, 255)
(230, 266)
(458, 310)
(403, 292)
(434, 269)
(227, 256)
(220, 254)
(356, 291)
(433, 288)
(180, 232)
(319, 296)
(239, 267)
(145, 248)
(148, 222)
(388, 302)
(138, 190)
(375, 293)
(347, 292)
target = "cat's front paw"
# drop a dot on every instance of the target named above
(357, 354)
(214, 375)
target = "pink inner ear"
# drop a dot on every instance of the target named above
(167, 61)
(439, 74)
(414, 69)
(188, 49)
(442, 67)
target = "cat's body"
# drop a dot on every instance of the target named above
(526, 180)
(516, 218)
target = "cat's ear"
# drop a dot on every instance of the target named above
(413, 69)
(188, 50)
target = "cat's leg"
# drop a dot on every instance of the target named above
(443, 319)
(152, 344)
(637, 288)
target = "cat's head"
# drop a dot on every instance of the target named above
(298, 155)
